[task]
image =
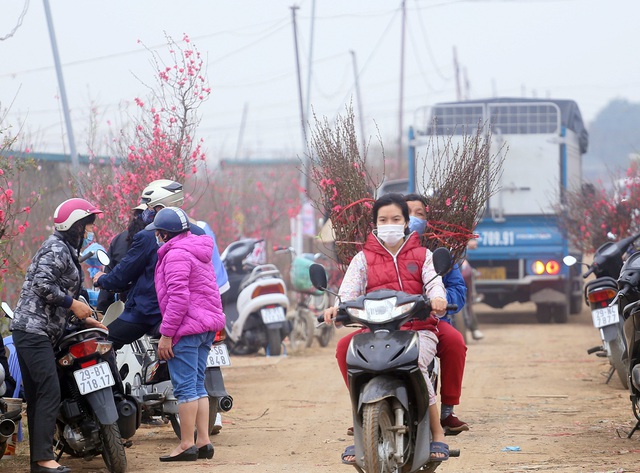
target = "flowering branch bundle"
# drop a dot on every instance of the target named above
(345, 186)
(460, 180)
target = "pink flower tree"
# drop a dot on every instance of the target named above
(160, 143)
(15, 209)
(599, 211)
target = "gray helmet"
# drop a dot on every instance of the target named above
(164, 192)
(170, 219)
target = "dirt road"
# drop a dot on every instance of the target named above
(526, 385)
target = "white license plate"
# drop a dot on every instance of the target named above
(218, 356)
(272, 315)
(605, 316)
(94, 378)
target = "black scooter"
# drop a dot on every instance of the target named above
(599, 295)
(387, 389)
(628, 299)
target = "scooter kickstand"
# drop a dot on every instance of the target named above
(611, 371)
(636, 427)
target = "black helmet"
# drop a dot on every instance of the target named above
(170, 219)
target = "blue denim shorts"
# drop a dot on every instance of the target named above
(188, 364)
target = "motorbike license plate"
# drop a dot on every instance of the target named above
(272, 315)
(94, 378)
(218, 356)
(605, 316)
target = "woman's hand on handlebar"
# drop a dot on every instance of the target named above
(438, 306)
(330, 315)
(80, 309)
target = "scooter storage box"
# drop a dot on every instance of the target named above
(300, 274)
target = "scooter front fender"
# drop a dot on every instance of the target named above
(382, 387)
(103, 405)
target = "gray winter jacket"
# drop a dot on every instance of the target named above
(52, 281)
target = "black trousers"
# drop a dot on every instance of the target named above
(123, 333)
(41, 390)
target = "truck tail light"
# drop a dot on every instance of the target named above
(551, 267)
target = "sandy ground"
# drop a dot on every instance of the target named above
(526, 385)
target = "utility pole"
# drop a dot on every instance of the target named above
(456, 71)
(243, 123)
(298, 241)
(401, 107)
(295, 44)
(63, 92)
(359, 99)
(309, 72)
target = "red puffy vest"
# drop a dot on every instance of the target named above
(402, 274)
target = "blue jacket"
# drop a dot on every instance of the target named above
(222, 278)
(456, 290)
(135, 273)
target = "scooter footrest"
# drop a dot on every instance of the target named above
(454, 452)
(153, 397)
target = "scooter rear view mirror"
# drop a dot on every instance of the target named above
(318, 276)
(7, 310)
(103, 257)
(441, 260)
(569, 260)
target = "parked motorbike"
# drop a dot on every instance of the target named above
(95, 413)
(8, 419)
(310, 302)
(599, 293)
(628, 303)
(386, 386)
(255, 304)
(147, 378)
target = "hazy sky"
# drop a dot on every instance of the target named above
(577, 49)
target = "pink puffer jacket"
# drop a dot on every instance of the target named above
(186, 286)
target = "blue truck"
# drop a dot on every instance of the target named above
(520, 244)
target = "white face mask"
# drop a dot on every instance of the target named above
(391, 234)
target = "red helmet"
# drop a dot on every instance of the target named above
(71, 211)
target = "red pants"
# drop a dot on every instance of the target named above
(452, 353)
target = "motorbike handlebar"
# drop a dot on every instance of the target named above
(344, 317)
(588, 272)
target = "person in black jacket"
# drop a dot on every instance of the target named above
(48, 296)
(135, 274)
(118, 248)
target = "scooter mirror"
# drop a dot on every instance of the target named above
(7, 310)
(318, 276)
(441, 260)
(103, 257)
(569, 260)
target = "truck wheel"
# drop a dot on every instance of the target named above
(544, 313)
(575, 304)
(560, 313)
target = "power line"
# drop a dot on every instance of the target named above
(18, 23)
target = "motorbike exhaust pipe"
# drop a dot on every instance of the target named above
(225, 403)
(7, 428)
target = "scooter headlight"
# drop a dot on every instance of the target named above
(375, 311)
